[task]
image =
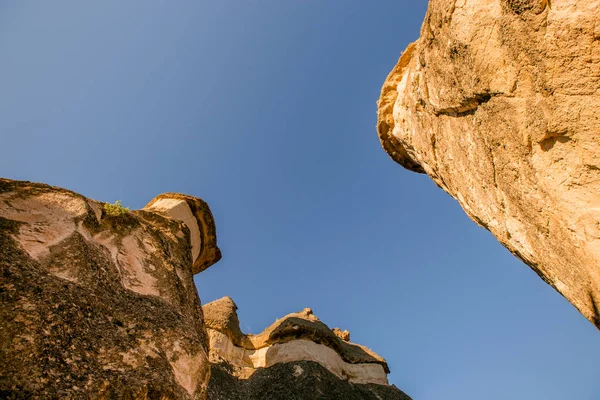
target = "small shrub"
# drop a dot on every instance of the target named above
(116, 209)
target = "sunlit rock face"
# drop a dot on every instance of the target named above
(498, 102)
(101, 306)
(297, 357)
(100, 303)
(196, 215)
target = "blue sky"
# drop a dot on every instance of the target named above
(266, 109)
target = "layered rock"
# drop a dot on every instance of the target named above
(298, 351)
(499, 103)
(99, 302)
(101, 306)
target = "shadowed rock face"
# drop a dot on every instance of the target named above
(298, 380)
(99, 306)
(290, 356)
(499, 103)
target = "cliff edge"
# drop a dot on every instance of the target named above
(498, 101)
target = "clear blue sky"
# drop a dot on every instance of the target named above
(266, 109)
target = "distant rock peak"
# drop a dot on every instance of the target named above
(295, 337)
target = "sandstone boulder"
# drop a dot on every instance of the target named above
(498, 101)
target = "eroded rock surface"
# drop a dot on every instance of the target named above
(298, 380)
(99, 303)
(499, 103)
(99, 306)
(288, 358)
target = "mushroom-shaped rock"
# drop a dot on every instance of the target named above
(196, 215)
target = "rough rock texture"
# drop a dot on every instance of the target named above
(499, 103)
(192, 211)
(99, 306)
(344, 335)
(298, 357)
(298, 380)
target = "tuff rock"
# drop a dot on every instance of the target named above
(101, 306)
(99, 302)
(498, 101)
(296, 357)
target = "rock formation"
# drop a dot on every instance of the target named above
(498, 101)
(298, 351)
(97, 305)
(99, 302)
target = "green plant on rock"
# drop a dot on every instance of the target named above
(116, 209)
